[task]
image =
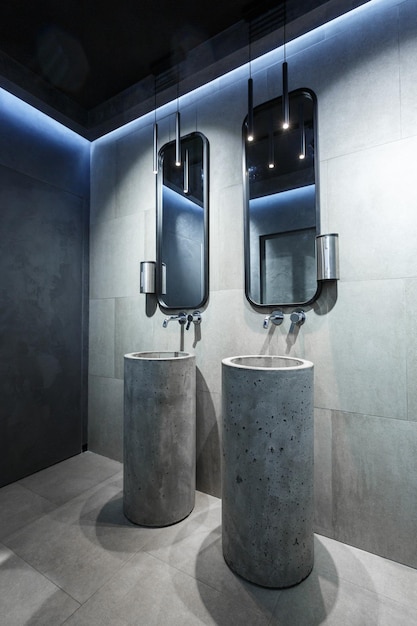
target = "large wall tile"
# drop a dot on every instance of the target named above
(220, 118)
(105, 410)
(408, 68)
(323, 483)
(115, 254)
(358, 353)
(102, 328)
(209, 425)
(226, 240)
(411, 346)
(371, 200)
(134, 331)
(136, 189)
(374, 485)
(103, 185)
(355, 74)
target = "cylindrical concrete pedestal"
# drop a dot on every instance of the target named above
(267, 486)
(159, 437)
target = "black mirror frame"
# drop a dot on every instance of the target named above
(277, 102)
(159, 184)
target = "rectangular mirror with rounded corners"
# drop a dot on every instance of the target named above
(282, 216)
(182, 224)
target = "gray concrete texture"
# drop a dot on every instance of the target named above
(267, 481)
(159, 435)
(43, 294)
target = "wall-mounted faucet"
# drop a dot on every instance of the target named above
(276, 318)
(181, 318)
(298, 317)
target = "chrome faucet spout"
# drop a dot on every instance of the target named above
(181, 318)
(276, 317)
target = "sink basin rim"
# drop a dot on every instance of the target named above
(159, 355)
(294, 362)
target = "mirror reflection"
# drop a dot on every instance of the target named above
(182, 225)
(281, 206)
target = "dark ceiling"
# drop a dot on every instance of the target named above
(94, 50)
(76, 55)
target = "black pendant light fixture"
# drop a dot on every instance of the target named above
(178, 125)
(186, 184)
(285, 97)
(155, 137)
(249, 135)
(271, 143)
(302, 154)
(177, 138)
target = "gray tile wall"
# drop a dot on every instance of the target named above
(361, 335)
(44, 197)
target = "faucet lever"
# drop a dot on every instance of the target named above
(197, 317)
(276, 317)
(298, 317)
(194, 317)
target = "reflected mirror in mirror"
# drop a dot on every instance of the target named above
(182, 225)
(281, 204)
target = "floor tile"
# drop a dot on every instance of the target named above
(80, 545)
(388, 578)
(148, 592)
(20, 506)
(27, 597)
(64, 481)
(199, 554)
(322, 599)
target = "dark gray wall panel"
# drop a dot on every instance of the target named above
(42, 231)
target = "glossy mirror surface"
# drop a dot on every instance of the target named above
(281, 205)
(182, 225)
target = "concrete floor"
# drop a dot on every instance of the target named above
(68, 556)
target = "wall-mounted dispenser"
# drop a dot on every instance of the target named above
(328, 257)
(147, 277)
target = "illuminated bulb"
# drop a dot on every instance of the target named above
(301, 156)
(285, 125)
(271, 166)
(250, 137)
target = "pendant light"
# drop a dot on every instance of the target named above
(177, 139)
(186, 172)
(178, 126)
(285, 98)
(155, 138)
(302, 154)
(250, 109)
(271, 157)
(271, 145)
(249, 135)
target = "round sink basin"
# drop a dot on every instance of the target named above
(266, 361)
(160, 356)
(159, 443)
(267, 470)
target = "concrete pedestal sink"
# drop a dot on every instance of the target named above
(159, 437)
(267, 486)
